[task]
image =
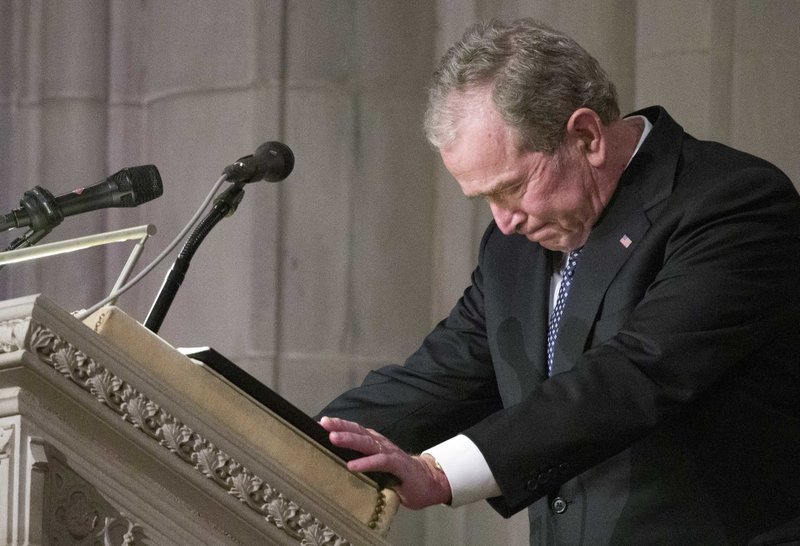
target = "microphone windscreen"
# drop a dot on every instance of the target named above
(140, 184)
(275, 161)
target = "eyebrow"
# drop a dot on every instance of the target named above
(499, 190)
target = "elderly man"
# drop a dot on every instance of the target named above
(626, 361)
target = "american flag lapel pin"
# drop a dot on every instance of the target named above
(625, 241)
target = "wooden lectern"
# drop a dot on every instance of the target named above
(108, 435)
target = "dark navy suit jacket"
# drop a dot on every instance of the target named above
(673, 415)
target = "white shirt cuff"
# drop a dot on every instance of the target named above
(466, 470)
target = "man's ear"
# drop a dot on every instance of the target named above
(586, 132)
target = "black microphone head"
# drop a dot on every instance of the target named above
(137, 184)
(274, 160)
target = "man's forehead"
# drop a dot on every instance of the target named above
(478, 146)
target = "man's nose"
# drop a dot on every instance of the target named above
(508, 218)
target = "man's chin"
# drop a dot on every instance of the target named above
(548, 243)
(556, 242)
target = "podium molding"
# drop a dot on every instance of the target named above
(93, 447)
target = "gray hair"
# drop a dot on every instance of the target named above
(537, 77)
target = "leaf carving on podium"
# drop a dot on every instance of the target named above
(72, 363)
(282, 512)
(247, 488)
(179, 439)
(228, 468)
(144, 415)
(42, 340)
(316, 535)
(264, 494)
(147, 416)
(109, 390)
(212, 463)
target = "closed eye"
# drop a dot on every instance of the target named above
(506, 191)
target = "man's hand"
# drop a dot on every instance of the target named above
(422, 483)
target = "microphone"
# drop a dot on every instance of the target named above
(273, 161)
(129, 187)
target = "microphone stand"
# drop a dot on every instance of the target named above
(224, 205)
(45, 214)
(30, 238)
(142, 233)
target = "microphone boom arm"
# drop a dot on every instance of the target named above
(224, 205)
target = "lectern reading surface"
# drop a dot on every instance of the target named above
(279, 405)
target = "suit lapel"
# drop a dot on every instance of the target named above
(602, 257)
(646, 182)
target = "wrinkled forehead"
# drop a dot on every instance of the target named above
(479, 131)
(473, 114)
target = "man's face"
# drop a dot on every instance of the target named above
(554, 203)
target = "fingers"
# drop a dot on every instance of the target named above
(350, 435)
(380, 453)
(363, 443)
(334, 423)
(418, 484)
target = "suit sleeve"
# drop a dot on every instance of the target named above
(447, 385)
